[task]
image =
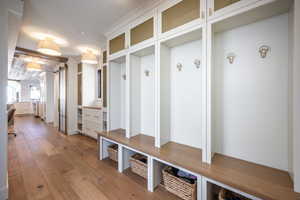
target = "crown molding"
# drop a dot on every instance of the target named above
(132, 15)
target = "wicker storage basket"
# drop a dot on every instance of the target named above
(178, 186)
(138, 166)
(113, 152)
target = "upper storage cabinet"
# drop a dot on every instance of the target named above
(117, 44)
(142, 32)
(179, 14)
(219, 4)
(219, 8)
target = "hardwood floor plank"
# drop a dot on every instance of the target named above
(67, 168)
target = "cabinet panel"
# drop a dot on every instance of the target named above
(142, 32)
(180, 14)
(104, 86)
(219, 4)
(117, 44)
(79, 88)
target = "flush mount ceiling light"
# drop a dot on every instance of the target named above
(89, 57)
(32, 66)
(49, 47)
(35, 60)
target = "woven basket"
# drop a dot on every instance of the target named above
(178, 186)
(113, 152)
(137, 166)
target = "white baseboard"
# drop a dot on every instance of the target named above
(4, 193)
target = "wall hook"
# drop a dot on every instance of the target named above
(263, 50)
(147, 72)
(179, 66)
(231, 57)
(197, 63)
(124, 77)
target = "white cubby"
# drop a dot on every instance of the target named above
(142, 92)
(117, 93)
(181, 89)
(249, 107)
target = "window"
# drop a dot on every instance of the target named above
(99, 83)
(13, 92)
(35, 93)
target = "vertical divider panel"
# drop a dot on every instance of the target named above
(120, 158)
(209, 39)
(108, 88)
(199, 188)
(157, 94)
(127, 95)
(204, 94)
(150, 185)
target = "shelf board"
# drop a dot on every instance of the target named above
(257, 180)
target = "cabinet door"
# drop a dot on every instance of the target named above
(142, 32)
(117, 44)
(173, 16)
(218, 8)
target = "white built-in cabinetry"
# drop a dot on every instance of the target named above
(194, 72)
(92, 121)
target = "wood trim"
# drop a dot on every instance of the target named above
(257, 180)
(27, 52)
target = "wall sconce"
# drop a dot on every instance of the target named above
(179, 66)
(197, 63)
(231, 57)
(124, 77)
(147, 73)
(263, 50)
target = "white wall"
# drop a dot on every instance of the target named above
(251, 95)
(296, 97)
(49, 97)
(117, 95)
(15, 7)
(147, 95)
(165, 96)
(88, 84)
(290, 94)
(72, 96)
(56, 99)
(186, 98)
(135, 95)
(3, 117)
(142, 95)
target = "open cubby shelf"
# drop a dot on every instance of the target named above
(249, 95)
(142, 92)
(203, 98)
(117, 96)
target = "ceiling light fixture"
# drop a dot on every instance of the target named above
(49, 47)
(35, 60)
(32, 66)
(89, 57)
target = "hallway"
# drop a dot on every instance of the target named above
(45, 164)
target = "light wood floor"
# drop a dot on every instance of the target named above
(45, 164)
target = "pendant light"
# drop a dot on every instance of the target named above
(32, 66)
(89, 57)
(49, 47)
